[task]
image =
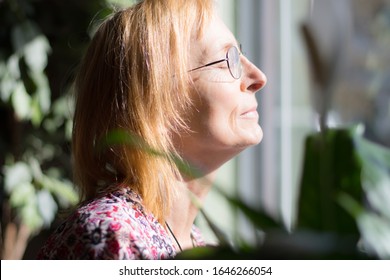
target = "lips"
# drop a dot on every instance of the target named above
(250, 113)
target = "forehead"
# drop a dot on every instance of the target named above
(216, 38)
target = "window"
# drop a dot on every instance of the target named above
(267, 175)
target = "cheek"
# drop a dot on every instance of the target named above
(218, 112)
(223, 125)
(216, 122)
(216, 119)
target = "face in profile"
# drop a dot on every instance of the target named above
(224, 119)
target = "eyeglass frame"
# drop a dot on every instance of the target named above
(227, 61)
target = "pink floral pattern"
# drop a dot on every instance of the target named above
(115, 226)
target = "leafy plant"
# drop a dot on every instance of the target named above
(334, 171)
(40, 48)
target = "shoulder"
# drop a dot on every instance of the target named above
(114, 226)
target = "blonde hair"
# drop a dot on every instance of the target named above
(134, 77)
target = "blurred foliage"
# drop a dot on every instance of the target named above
(344, 200)
(350, 172)
(42, 42)
(344, 194)
(332, 166)
(351, 176)
(343, 206)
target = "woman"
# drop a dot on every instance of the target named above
(170, 73)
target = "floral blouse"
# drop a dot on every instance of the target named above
(115, 226)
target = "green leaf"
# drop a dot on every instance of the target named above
(36, 53)
(62, 110)
(3, 69)
(63, 107)
(259, 218)
(374, 220)
(30, 215)
(68, 129)
(379, 196)
(376, 174)
(354, 208)
(375, 232)
(10, 75)
(36, 112)
(6, 83)
(219, 234)
(121, 3)
(22, 194)
(374, 229)
(331, 165)
(372, 154)
(16, 174)
(35, 168)
(21, 101)
(47, 206)
(64, 192)
(13, 66)
(43, 91)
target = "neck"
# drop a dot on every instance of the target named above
(190, 195)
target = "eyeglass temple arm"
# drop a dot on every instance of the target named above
(208, 64)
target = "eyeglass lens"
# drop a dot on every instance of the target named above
(234, 63)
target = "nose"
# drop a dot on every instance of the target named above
(253, 79)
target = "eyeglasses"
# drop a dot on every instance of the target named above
(233, 61)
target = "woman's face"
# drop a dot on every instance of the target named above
(224, 119)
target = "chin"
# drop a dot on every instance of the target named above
(253, 137)
(256, 141)
(260, 136)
